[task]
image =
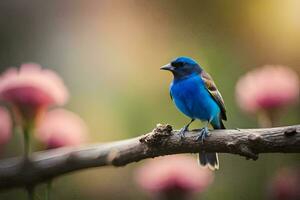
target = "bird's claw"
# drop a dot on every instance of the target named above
(182, 132)
(204, 133)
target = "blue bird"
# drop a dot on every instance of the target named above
(195, 94)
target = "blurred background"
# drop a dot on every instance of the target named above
(109, 54)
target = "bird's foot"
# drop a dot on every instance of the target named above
(204, 133)
(182, 132)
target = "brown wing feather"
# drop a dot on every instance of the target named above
(213, 90)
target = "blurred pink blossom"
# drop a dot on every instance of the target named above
(266, 88)
(5, 126)
(285, 185)
(177, 173)
(61, 128)
(30, 90)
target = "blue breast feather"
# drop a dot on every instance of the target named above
(192, 98)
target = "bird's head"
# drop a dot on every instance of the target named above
(182, 67)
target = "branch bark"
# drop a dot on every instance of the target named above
(42, 166)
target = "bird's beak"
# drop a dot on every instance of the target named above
(167, 67)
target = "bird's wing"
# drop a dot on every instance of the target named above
(171, 95)
(213, 90)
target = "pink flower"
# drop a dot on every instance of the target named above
(285, 185)
(267, 88)
(31, 90)
(5, 126)
(178, 173)
(61, 128)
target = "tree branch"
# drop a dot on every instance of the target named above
(16, 172)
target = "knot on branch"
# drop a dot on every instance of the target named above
(231, 145)
(247, 152)
(112, 156)
(158, 135)
(291, 132)
(254, 137)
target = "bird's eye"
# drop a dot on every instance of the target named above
(177, 64)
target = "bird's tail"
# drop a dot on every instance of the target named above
(211, 159)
